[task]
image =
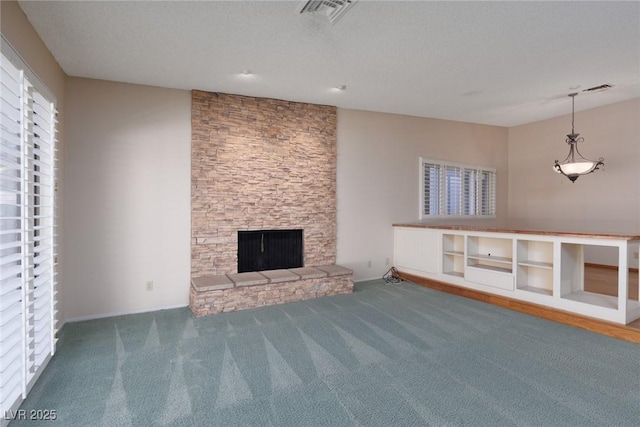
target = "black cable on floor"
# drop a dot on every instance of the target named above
(392, 276)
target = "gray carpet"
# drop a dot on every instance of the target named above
(388, 355)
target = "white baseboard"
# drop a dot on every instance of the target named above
(146, 310)
(121, 313)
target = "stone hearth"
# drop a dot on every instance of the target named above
(229, 292)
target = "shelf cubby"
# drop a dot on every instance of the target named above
(453, 254)
(489, 261)
(534, 266)
(490, 253)
(576, 282)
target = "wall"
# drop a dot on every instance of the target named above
(606, 201)
(257, 164)
(127, 203)
(19, 32)
(378, 177)
(24, 39)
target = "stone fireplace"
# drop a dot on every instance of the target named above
(260, 164)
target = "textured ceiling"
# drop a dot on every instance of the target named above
(499, 63)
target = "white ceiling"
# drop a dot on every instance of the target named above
(499, 63)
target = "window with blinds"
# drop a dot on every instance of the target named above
(456, 190)
(27, 239)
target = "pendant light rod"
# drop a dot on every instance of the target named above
(573, 110)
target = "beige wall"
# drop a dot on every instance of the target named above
(19, 32)
(377, 181)
(127, 207)
(605, 201)
(23, 38)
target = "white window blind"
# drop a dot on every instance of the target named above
(27, 238)
(456, 190)
(431, 178)
(453, 190)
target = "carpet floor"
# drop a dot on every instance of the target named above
(387, 355)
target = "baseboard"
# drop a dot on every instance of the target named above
(603, 327)
(608, 267)
(121, 313)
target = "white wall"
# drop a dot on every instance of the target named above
(127, 202)
(377, 178)
(606, 201)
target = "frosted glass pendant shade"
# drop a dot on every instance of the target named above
(578, 168)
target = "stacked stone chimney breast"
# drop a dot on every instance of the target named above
(260, 164)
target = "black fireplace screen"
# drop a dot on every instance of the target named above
(269, 250)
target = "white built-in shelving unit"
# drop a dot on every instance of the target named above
(538, 267)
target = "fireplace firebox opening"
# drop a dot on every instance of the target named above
(260, 250)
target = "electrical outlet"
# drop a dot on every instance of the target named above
(386, 262)
(369, 264)
(149, 286)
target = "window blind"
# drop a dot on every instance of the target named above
(12, 331)
(431, 185)
(452, 190)
(487, 190)
(27, 238)
(455, 190)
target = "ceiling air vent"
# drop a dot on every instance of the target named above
(331, 9)
(598, 88)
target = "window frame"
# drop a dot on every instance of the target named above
(442, 198)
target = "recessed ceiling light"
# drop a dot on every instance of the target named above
(341, 88)
(246, 73)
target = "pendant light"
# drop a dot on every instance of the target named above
(575, 164)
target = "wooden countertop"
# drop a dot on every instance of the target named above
(520, 231)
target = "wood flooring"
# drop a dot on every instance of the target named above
(599, 279)
(604, 280)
